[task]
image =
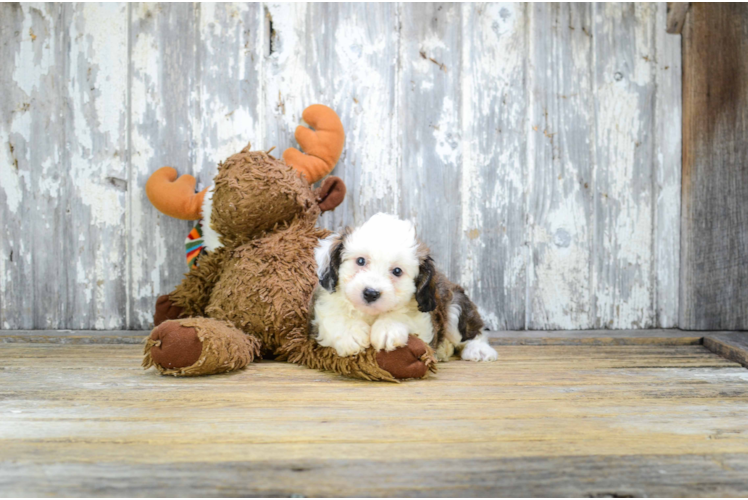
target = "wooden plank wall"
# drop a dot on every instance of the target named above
(536, 146)
(714, 278)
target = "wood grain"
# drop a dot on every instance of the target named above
(541, 420)
(95, 168)
(667, 166)
(494, 172)
(536, 147)
(623, 184)
(676, 16)
(595, 337)
(429, 114)
(561, 212)
(163, 129)
(33, 178)
(74, 336)
(230, 49)
(584, 477)
(650, 337)
(343, 55)
(714, 223)
(730, 345)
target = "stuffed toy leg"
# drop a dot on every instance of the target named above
(198, 346)
(204, 346)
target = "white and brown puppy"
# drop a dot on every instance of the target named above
(378, 285)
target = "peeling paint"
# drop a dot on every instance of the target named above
(547, 189)
(10, 182)
(493, 115)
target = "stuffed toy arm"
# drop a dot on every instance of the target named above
(190, 298)
(414, 360)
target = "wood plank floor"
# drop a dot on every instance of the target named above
(650, 420)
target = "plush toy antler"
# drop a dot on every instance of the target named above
(174, 197)
(323, 145)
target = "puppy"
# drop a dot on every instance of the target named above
(378, 285)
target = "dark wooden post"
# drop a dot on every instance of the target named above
(714, 221)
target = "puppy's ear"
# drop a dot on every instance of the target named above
(328, 272)
(425, 285)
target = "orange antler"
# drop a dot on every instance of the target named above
(174, 197)
(323, 145)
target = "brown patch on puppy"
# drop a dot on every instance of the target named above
(440, 314)
(470, 324)
(425, 283)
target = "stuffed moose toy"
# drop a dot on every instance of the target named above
(249, 294)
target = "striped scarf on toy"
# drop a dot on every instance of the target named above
(194, 244)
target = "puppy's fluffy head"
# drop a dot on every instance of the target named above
(379, 266)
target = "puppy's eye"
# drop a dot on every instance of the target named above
(397, 272)
(360, 261)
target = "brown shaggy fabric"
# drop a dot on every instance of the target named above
(253, 193)
(252, 296)
(266, 285)
(166, 310)
(224, 348)
(193, 293)
(305, 351)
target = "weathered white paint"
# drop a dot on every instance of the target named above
(667, 157)
(561, 137)
(537, 146)
(163, 110)
(429, 117)
(96, 180)
(229, 90)
(34, 243)
(623, 80)
(494, 105)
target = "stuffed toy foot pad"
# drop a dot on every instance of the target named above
(175, 346)
(413, 360)
(198, 346)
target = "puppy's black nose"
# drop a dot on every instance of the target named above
(370, 295)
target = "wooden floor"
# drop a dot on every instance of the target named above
(584, 420)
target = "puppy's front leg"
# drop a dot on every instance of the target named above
(388, 334)
(347, 336)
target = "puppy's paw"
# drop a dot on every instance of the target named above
(353, 340)
(388, 335)
(479, 350)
